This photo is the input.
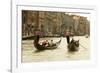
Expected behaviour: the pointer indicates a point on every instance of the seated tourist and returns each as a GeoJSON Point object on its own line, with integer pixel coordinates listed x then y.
{"type": "Point", "coordinates": [72, 40]}
{"type": "Point", "coordinates": [45, 43]}
{"type": "Point", "coordinates": [52, 44]}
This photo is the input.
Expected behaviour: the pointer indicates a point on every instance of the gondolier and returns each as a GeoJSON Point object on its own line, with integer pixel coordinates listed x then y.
{"type": "Point", "coordinates": [67, 33]}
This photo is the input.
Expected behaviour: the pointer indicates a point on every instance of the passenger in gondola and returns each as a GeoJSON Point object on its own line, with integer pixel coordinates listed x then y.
{"type": "Point", "coordinates": [45, 43]}
{"type": "Point", "coordinates": [72, 41]}
{"type": "Point", "coordinates": [51, 43]}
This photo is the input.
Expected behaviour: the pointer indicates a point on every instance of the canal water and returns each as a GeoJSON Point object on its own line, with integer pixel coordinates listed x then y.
{"type": "Point", "coordinates": [30, 54]}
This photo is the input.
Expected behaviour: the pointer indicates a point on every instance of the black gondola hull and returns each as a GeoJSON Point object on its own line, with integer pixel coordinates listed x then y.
{"type": "Point", "coordinates": [41, 47]}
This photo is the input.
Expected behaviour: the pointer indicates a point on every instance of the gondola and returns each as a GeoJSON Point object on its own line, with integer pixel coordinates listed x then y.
{"type": "Point", "coordinates": [73, 46]}
{"type": "Point", "coordinates": [41, 47]}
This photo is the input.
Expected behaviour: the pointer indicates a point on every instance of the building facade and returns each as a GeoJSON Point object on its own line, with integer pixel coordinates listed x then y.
{"type": "Point", "coordinates": [53, 23]}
